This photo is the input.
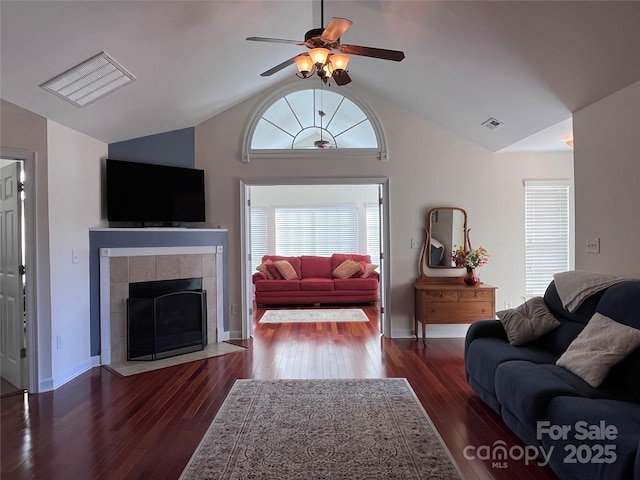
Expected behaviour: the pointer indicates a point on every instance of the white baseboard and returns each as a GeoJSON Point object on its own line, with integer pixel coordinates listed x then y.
{"type": "Point", "coordinates": [72, 373]}
{"type": "Point", "coordinates": [234, 335]}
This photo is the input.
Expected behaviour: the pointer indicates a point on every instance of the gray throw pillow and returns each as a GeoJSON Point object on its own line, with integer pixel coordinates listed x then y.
{"type": "Point", "coordinates": [601, 344]}
{"type": "Point", "coordinates": [528, 321]}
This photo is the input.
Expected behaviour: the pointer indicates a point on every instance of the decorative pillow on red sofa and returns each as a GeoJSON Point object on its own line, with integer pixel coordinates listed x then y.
{"type": "Point", "coordinates": [286, 270]}
{"type": "Point", "coordinates": [338, 258]}
{"type": "Point", "coordinates": [348, 268]}
{"type": "Point", "coordinates": [294, 261]}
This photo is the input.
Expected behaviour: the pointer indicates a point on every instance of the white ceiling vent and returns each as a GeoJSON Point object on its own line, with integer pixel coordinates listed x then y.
{"type": "Point", "coordinates": [91, 80]}
{"type": "Point", "coordinates": [492, 124]}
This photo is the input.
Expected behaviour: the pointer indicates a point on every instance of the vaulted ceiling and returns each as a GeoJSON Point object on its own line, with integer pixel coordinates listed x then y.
{"type": "Point", "coordinates": [529, 64]}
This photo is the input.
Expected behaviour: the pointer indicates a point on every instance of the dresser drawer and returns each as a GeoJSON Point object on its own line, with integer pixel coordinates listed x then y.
{"type": "Point", "coordinates": [441, 295]}
{"type": "Point", "coordinates": [475, 295]}
{"type": "Point", "coordinates": [458, 312]}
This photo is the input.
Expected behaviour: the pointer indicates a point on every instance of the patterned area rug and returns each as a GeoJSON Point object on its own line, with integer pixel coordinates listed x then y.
{"type": "Point", "coordinates": [314, 315]}
{"type": "Point", "coordinates": [321, 429]}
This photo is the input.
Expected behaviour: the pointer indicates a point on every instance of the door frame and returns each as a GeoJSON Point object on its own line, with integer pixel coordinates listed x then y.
{"type": "Point", "coordinates": [28, 159]}
{"type": "Point", "coordinates": [245, 250]}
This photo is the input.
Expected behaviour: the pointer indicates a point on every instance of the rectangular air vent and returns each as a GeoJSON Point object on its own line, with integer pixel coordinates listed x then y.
{"type": "Point", "coordinates": [91, 80]}
{"type": "Point", "coordinates": [492, 123]}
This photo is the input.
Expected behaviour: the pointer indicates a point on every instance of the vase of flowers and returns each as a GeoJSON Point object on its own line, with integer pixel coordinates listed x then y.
{"type": "Point", "coordinates": [471, 259]}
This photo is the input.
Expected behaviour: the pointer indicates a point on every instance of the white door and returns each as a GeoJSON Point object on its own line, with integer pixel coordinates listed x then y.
{"type": "Point", "coordinates": [11, 294]}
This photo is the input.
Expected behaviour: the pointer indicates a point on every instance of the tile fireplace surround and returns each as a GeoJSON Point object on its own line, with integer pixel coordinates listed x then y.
{"type": "Point", "coordinates": [121, 266]}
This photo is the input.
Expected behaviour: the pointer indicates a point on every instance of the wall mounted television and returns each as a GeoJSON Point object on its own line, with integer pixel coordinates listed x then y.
{"type": "Point", "coordinates": [150, 195]}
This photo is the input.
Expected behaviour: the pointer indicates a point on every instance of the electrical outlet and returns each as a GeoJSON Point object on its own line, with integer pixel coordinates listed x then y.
{"type": "Point", "coordinates": [74, 256]}
{"type": "Point", "coordinates": [234, 309]}
{"type": "Point", "coordinates": [593, 245]}
{"type": "Point", "coordinates": [507, 305]}
{"type": "Point", "coordinates": [415, 243]}
{"type": "Point", "coordinates": [59, 341]}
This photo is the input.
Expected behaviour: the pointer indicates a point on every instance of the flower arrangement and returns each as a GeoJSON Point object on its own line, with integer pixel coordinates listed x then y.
{"type": "Point", "coordinates": [472, 258]}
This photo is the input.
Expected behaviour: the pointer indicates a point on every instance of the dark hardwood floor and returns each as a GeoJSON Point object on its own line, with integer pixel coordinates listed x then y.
{"type": "Point", "coordinates": [101, 426]}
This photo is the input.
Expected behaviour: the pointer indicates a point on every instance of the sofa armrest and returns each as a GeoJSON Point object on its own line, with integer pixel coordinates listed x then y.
{"type": "Point", "coordinates": [258, 276]}
{"type": "Point", "coordinates": [483, 329]}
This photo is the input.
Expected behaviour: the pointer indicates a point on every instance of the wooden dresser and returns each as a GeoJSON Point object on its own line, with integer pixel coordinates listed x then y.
{"type": "Point", "coordinates": [450, 300]}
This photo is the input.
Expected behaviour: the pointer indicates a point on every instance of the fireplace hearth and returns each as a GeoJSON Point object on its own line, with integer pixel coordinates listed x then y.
{"type": "Point", "coordinates": [166, 318]}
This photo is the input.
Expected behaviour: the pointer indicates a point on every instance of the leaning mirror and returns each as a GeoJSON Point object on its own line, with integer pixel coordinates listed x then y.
{"type": "Point", "coordinates": [446, 231]}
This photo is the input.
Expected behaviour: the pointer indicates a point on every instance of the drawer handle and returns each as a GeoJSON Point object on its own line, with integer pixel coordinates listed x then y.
{"type": "Point", "coordinates": [441, 295]}
{"type": "Point", "coordinates": [475, 294]}
{"type": "Point", "coordinates": [433, 310]}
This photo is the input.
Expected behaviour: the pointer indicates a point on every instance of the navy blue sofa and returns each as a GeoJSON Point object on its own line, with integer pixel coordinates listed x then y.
{"type": "Point", "coordinates": [523, 385]}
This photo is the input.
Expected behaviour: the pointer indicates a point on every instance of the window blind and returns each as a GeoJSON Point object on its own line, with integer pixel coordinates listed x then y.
{"type": "Point", "coordinates": [259, 236]}
{"type": "Point", "coordinates": [316, 230]}
{"type": "Point", "coordinates": [546, 232]}
{"type": "Point", "coordinates": [373, 232]}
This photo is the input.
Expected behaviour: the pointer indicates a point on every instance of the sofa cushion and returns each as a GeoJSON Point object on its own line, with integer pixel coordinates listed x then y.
{"type": "Point", "coordinates": [286, 270]}
{"type": "Point", "coordinates": [623, 416]}
{"type": "Point", "coordinates": [278, 286]}
{"type": "Point", "coordinates": [347, 269]}
{"type": "Point", "coordinates": [602, 344]}
{"type": "Point", "coordinates": [262, 268]}
{"type": "Point", "coordinates": [338, 258]}
{"type": "Point", "coordinates": [355, 284]}
{"type": "Point", "coordinates": [367, 269]}
{"type": "Point", "coordinates": [525, 389]}
{"type": "Point", "coordinates": [315, 267]}
{"type": "Point", "coordinates": [485, 355]}
{"type": "Point", "coordinates": [316, 284]}
{"type": "Point", "coordinates": [571, 324]}
{"type": "Point", "coordinates": [294, 261]}
{"type": "Point", "coordinates": [528, 321]}
{"type": "Point", "coordinates": [273, 270]}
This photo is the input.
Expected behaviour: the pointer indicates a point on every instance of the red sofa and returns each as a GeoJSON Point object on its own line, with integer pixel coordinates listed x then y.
{"type": "Point", "coordinates": [316, 282]}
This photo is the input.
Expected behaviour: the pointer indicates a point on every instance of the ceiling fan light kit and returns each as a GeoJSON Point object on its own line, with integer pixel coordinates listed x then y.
{"type": "Point", "coordinates": [320, 59]}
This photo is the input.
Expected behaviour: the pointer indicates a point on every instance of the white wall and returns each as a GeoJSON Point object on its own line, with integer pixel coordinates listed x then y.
{"type": "Point", "coordinates": [74, 205]}
{"type": "Point", "coordinates": [428, 166]}
{"type": "Point", "coordinates": [607, 182]}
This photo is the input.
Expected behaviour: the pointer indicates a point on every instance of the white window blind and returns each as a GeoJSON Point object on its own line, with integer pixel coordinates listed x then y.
{"type": "Point", "coordinates": [373, 232]}
{"type": "Point", "coordinates": [316, 230]}
{"type": "Point", "coordinates": [259, 236]}
{"type": "Point", "coordinates": [546, 232]}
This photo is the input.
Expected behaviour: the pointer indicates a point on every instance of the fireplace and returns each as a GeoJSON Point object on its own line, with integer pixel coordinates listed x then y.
{"type": "Point", "coordinates": [166, 318]}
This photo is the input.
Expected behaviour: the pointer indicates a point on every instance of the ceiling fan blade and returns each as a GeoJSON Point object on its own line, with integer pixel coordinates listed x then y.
{"type": "Point", "coordinates": [278, 67]}
{"type": "Point", "coordinates": [335, 28]}
{"type": "Point", "coordinates": [274, 40]}
{"type": "Point", "coordinates": [395, 55]}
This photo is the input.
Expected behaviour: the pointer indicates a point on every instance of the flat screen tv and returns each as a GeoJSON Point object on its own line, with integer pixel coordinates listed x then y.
{"type": "Point", "coordinates": [154, 194]}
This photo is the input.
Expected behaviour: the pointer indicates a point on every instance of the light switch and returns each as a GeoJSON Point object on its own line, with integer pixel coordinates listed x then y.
{"type": "Point", "coordinates": [593, 245]}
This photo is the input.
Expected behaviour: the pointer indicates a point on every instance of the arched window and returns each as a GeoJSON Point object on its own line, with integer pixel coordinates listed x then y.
{"type": "Point", "coordinates": [302, 122]}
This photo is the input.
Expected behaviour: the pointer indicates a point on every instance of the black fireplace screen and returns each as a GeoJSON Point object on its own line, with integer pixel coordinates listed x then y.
{"type": "Point", "coordinates": [166, 318]}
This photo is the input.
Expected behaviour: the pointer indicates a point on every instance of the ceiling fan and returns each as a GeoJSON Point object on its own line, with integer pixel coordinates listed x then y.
{"type": "Point", "coordinates": [321, 42]}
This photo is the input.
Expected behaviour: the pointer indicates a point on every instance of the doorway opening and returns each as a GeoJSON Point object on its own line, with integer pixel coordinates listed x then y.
{"type": "Point", "coordinates": [14, 376]}
{"type": "Point", "coordinates": [360, 203]}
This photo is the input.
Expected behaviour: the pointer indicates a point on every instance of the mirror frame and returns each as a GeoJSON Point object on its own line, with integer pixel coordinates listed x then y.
{"type": "Point", "coordinates": [425, 257]}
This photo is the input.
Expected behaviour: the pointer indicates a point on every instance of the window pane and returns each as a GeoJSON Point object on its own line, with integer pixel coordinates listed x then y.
{"type": "Point", "coordinates": [259, 237]}
{"type": "Point", "coordinates": [316, 230]}
{"type": "Point", "coordinates": [296, 114]}
{"type": "Point", "coordinates": [373, 232]}
{"type": "Point", "coordinates": [546, 234]}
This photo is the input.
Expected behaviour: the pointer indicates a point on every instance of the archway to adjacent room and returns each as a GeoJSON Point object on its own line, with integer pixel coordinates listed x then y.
{"type": "Point", "coordinates": [374, 195]}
